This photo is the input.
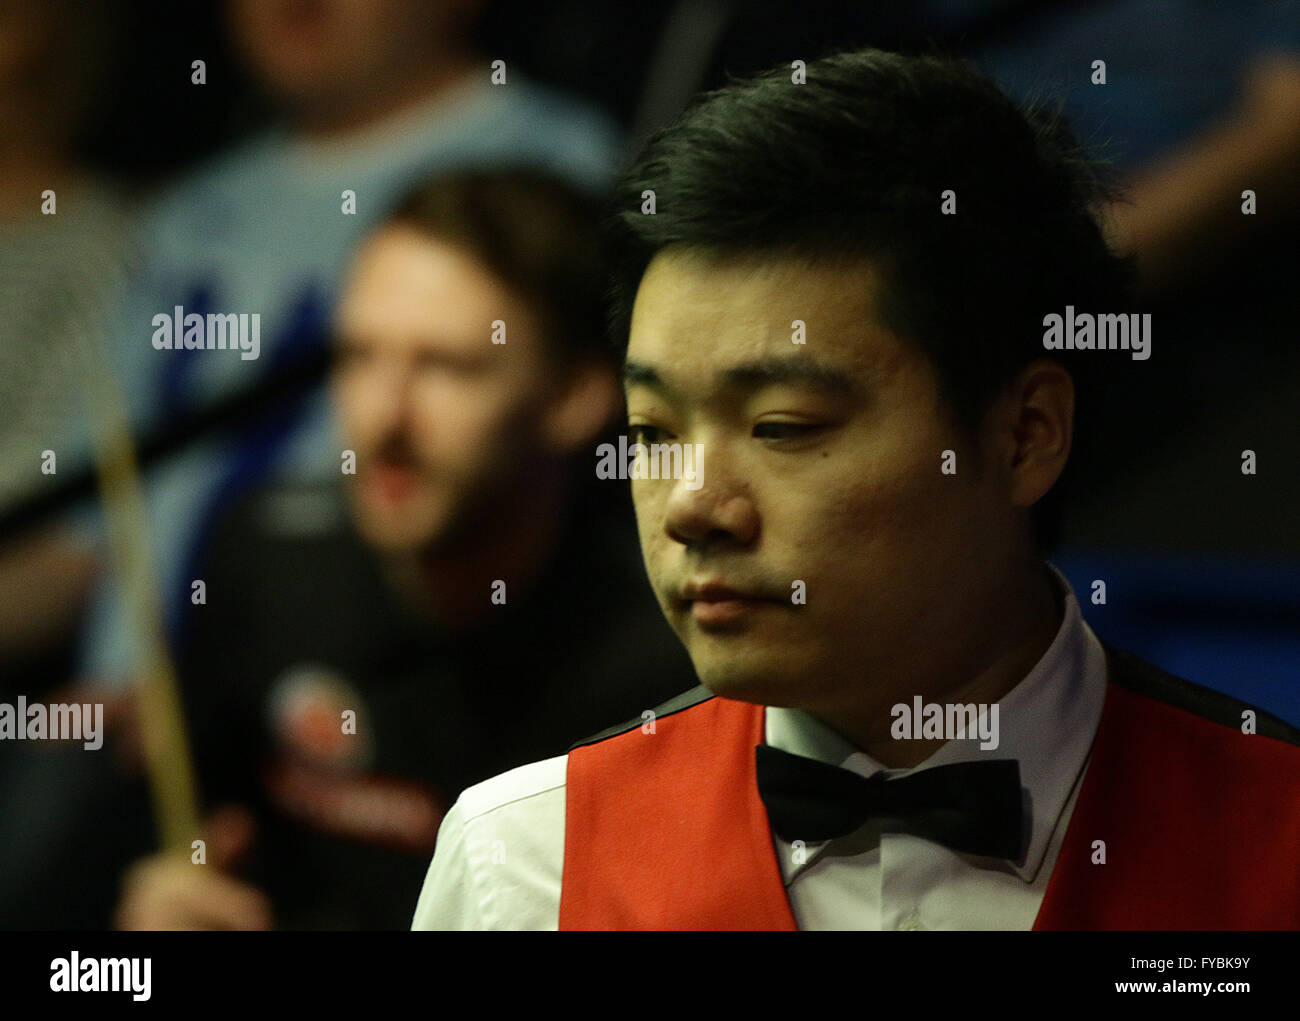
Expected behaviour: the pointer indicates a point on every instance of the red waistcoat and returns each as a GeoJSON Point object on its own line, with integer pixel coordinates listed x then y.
{"type": "Point", "coordinates": [1201, 822]}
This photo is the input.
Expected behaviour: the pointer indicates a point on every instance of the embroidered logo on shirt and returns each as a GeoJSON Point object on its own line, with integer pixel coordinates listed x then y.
{"type": "Point", "coordinates": [318, 773]}
{"type": "Point", "coordinates": [318, 716]}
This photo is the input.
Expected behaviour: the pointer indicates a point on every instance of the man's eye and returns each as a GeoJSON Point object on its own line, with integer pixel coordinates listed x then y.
{"type": "Point", "coordinates": [784, 430]}
{"type": "Point", "coordinates": [434, 362]}
{"type": "Point", "coordinates": [351, 354]}
{"type": "Point", "coordinates": [646, 434]}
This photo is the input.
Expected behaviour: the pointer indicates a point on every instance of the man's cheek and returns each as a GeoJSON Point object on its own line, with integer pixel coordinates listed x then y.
{"type": "Point", "coordinates": [657, 558]}
{"type": "Point", "coordinates": [649, 504]}
{"type": "Point", "coordinates": [352, 428]}
{"type": "Point", "coordinates": [485, 432]}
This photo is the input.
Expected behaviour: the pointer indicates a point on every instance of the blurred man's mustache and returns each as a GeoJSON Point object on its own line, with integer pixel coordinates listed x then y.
{"type": "Point", "coordinates": [395, 451]}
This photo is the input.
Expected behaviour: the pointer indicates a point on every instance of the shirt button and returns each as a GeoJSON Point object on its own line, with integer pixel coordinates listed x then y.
{"type": "Point", "coordinates": [911, 922]}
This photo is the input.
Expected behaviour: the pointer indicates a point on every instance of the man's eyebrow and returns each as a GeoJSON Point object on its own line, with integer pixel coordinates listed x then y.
{"type": "Point", "coordinates": [774, 371]}
{"type": "Point", "coordinates": [755, 374]}
{"type": "Point", "coordinates": [637, 374]}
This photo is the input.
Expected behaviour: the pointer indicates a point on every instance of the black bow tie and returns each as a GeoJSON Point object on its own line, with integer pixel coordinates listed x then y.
{"type": "Point", "coordinates": [968, 806]}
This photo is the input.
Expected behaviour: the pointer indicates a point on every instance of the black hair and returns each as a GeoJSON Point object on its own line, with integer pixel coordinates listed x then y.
{"type": "Point", "coordinates": [853, 163]}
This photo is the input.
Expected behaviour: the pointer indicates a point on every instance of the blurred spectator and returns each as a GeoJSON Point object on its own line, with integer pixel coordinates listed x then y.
{"type": "Point", "coordinates": [63, 262]}
{"type": "Point", "coordinates": [474, 595]}
{"type": "Point", "coordinates": [374, 95]}
{"type": "Point", "coordinates": [1199, 102]}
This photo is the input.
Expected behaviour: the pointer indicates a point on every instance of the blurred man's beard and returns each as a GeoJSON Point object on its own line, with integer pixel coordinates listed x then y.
{"type": "Point", "coordinates": [439, 520]}
{"type": "Point", "coordinates": [396, 529]}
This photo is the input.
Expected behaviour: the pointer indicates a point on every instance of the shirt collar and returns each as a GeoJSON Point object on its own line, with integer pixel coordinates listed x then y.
{"type": "Point", "coordinates": [1046, 723]}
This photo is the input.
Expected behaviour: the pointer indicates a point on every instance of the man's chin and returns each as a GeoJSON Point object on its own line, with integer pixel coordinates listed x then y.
{"type": "Point", "coordinates": [396, 535]}
{"type": "Point", "coordinates": [760, 688]}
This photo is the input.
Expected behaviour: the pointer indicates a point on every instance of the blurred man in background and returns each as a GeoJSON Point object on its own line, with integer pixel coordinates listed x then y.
{"type": "Point", "coordinates": [471, 599]}
{"type": "Point", "coordinates": [373, 95]}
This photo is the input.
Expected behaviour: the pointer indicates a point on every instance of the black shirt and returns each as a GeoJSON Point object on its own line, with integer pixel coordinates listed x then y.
{"type": "Point", "coordinates": [300, 628]}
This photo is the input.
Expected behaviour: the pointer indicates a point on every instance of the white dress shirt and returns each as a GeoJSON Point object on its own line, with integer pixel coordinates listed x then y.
{"type": "Point", "coordinates": [500, 852]}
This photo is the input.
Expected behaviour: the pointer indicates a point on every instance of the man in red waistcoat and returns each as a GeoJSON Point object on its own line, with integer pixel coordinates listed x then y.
{"type": "Point", "coordinates": [833, 289]}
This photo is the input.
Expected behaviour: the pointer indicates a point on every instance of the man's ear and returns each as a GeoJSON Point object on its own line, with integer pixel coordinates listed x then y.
{"type": "Point", "coordinates": [589, 395]}
{"type": "Point", "coordinates": [1036, 430]}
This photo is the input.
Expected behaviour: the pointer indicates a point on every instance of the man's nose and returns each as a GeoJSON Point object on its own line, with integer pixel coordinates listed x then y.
{"type": "Point", "coordinates": [390, 395]}
{"type": "Point", "coordinates": [716, 509]}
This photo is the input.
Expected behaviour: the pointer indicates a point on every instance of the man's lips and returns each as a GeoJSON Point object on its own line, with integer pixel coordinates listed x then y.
{"type": "Point", "coordinates": [392, 482]}
{"type": "Point", "coordinates": [714, 592]}
{"type": "Point", "coordinates": [717, 603]}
